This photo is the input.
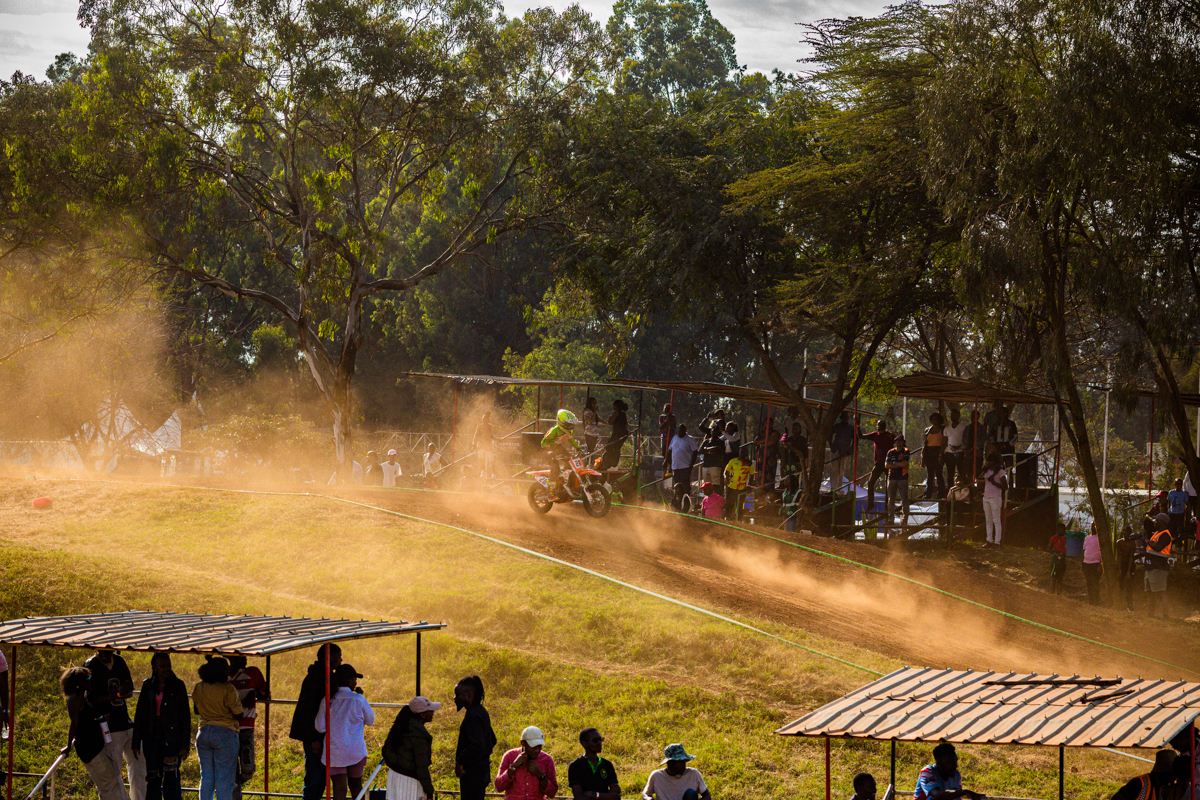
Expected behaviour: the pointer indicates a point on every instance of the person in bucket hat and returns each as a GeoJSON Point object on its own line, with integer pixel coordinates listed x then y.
{"type": "Point", "coordinates": [676, 781]}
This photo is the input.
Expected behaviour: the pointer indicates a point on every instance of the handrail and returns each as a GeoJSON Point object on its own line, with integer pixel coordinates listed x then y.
{"type": "Point", "coordinates": [42, 781]}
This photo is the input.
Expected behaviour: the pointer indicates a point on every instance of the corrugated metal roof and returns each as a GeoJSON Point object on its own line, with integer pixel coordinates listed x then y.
{"type": "Point", "coordinates": [767, 397]}
{"type": "Point", "coordinates": [195, 633]}
{"type": "Point", "coordinates": [935, 386]}
{"type": "Point", "coordinates": [965, 706]}
{"type": "Point", "coordinates": [504, 380]}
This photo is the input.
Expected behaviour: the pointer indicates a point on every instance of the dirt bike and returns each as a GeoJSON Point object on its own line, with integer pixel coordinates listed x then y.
{"type": "Point", "coordinates": [582, 483]}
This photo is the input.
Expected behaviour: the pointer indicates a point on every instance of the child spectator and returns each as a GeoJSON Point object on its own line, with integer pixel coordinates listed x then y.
{"type": "Point", "coordinates": [1125, 561]}
{"type": "Point", "coordinates": [1092, 570]}
{"type": "Point", "coordinates": [713, 505]}
{"type": "Point", "coordinates": [349, 713]}
{"type": "Point", "coordinates": [897, 480]}
{"type": "Point", "coordinates": [790, 503]}
{"type": "Point", "coordinates": [1058, 558]}
{"type": "Point", "coordinates": [737, 478]}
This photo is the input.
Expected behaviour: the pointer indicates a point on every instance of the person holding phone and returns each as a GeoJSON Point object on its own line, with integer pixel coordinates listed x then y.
{"type": "Point", "coordinates": [527, 772]}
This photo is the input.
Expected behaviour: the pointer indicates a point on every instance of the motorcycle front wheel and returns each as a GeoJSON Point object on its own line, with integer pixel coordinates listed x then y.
{"type": "Point", "coordinates": [596, 500]}
{"type": "Point", "coordinates": [540, 499]}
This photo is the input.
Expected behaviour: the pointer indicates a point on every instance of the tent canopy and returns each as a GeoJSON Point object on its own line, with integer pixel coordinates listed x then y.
{"type": "Point", "coordinates": [935, 386]}
{"type": "Point", "coordinates": [223, 634]}
{"type": "Point", "coordinates": [971, 707]}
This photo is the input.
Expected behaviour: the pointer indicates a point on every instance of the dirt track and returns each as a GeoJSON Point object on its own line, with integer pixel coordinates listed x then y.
{"type": "Point", "coordinates": [756, 579]}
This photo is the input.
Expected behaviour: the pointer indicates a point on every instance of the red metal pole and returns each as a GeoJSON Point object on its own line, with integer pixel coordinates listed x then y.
{"type": "Point", "coordinates": [328, 732]}
{"type": "Point", "coordinates": [12, 714]}
{"type": "Point", "coordinates": [762, 479]}
{"type": "Point", "coordinates": [267, 734]}
{"type": "Point", "coordinates": [828, 782]}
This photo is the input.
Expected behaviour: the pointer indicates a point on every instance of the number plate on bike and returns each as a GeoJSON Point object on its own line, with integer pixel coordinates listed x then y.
{"type": "Point", "coordinates": [577, 463]}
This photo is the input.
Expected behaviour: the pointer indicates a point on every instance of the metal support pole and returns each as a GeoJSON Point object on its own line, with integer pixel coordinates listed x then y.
{"type": "Point", "coordinates": [766, 444]}
{"type": "Point", "coordinates": [904, 418]}
{"type": "Point", "coordinates": [828, 781]}
{"type": "Point", "coordinates": [454, 424]}
{"type": "Point", "coordinates": [537, 420]}
{"type": "Point", "coordinates": [893, 782]}
{"type": "Point", "coordinates": [267, 733]}
{"type": "Point", "coordinates": [1104, 462]}
{"type": "Point", "coordinates": [418, 681]}
{"type": "Point", "coordinates": [328, 732]}
{"type": "Point", "coordinates": [561, 389]}
{"type": "Point", "coordinates": [1150, 474]}
{"type": "Point", "coordinates": [637, 456]}
{"type": "Point", "coordinates": [12, 714]}
{"type": "Point", "coordinates": [1061, 763]}
{"type": "Point", "coordinates": [854, 464]}
{"type": "Point", "coordinates": [1193, 764]}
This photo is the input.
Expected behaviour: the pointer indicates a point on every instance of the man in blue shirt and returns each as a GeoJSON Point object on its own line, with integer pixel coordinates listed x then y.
{"type": "Point", "coordinates": [1177, 503]}
{"type": "Point", "coordinates": [940, 780]}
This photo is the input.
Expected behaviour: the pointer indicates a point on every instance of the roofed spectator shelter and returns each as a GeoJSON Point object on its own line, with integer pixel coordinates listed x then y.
{"type": "Point", "coordinates": [922, 704]}
{"type": "Point", "coordinates": [199, 634]}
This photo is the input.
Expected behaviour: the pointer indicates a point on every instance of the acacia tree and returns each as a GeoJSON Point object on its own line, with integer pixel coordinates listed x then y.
{"type": "Point", "coordinates": [334, 135]}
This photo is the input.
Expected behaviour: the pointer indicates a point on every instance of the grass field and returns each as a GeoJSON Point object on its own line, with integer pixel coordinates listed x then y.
{"type": "Point", "coordinates": [555, 647]}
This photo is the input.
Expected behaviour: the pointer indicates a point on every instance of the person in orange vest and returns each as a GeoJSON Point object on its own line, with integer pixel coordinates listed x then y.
{"type": "Point", "coordinates": [1158, 566]}
{"type": "Point", "coordinates": [1157, 784]}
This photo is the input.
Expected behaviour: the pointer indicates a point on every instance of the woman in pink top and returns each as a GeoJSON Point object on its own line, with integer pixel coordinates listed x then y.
{"type": "Point", "coordinates": [526, 773]}
{"type": "Point", "coordinates": [1092, 570]}
{"type": "Point", "coordinates": [995, 483]}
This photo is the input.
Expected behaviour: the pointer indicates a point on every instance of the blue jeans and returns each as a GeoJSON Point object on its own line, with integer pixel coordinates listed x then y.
{"type": "Point", "coordinates": [217, 749]}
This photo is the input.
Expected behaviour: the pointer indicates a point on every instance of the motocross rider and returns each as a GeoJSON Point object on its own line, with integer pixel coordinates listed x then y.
{"type": "Point", "coordinates": [559, 444]}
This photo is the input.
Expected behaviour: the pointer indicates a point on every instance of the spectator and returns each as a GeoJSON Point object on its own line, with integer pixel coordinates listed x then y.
{"type": "Point", "coordinates": [251, 686]}
{"type": "Point", "coordinates": [87, 735]}
{"type": "Point", "coordinates": [591, 776]}
{"type": "Point", "coordinates": [896, 462]}
{"type": "Point", "coordinates": [795, 451]}
{"type": "Point", "coordinates": [737, 478]}
{"type": "Point", "coordinates": [713, 504]}
{"type": "Point", "coordinates": [961, 491]}
{"type": "Point", "coordinates": [683, 451]}
{"type": "Point", "coordinates": [974, 445]}
{"type": "Point", "coordinates": [790, 503]}
{"type": "Point", "coordinates": [1092, 570]}
{"type": "Point", "coordinates": [433, 463]}
{"type": "Point", "coordinates": [620, 432]}
{"type": "Point", "coordinates": [591, 425]}
{"type": "Point", "coordinates": [1158, 783]}
{"type": "Point", "coordinates": [712, 456]}
{"type": "Point", "coordinates": [995, 482]}
{"type": "Point", "coordinates": [527, 772]}
{"type": "Point", "coordinates": [374, 472]}
{"type": "Point", "coordinates": [864, 786]}
{"type": "Point", "coordinates": [162, 729]}
{"type": "Point", "coordinates": [715, 419]}
{"type": "Point", "coordinates": [349, 714]}
{"type": "Point", "coordinates": [677, 781]}
{"type": "Point", "coordinates": [110, 684]}
{"type": "Point", "coordinates": [1125, 562]}
{"type": "Point", "coordinates": [1177, 507]}
{"type": "Point", "coordinates": [881, 440]}
{"type": "Point", "coordinates": [766, 447]}
{"type": "Point", "coordinates": [484, 446]}
{"type": "Point", "coordinates": [941, 779]}
{"type": "Point", "coordinates": [1158, 565]}
{"type": "Point", "coordinates": [216, 703]}
{"type": "Point", "coordinates": [931, 457]}
{"type": "Point", "coordinates": [841, 445]}
{"type": "Point", "coordinates": [1190, 488]}
{"type": "Point", "coordinates": [955, 435]}
{"type": "Point", "coordinates": [391, 470]}
{"type": "Point", "coordinates": [476, 740]}
{"type": "Point", "coordinates": [1005, 435]}
{"type": "Point", "coordinates": [733, 445]}
{"type": "Point", "coordinates": [408, 752]}
{"type": "Point", "coordinates": [303, 730]}
{"type": "Point", "coordinates": [666, 431]}
{"type": "Point", "coordinates": [1058, 558]}
{"type": "Point", "coordinates": [1184, 765]}
{"type": "Point", "coordinates": [991, 420]}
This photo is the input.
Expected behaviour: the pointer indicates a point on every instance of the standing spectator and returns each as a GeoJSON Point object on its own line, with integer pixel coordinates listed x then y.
{"type": "Point", "coordinates": [1177, 507]}
{"type": "Point", "coordinates": [1058, 558]}
{"type": "Point", "coordinates": [896, 462]}
{"type": "Point", "coordinates": [715, 419]}
{"type": "Point", "coordinates": [666, 431]}
{"type": "Point", "coordinates": [408, 752]}
{"type": "Point", "coordinates": [432, 463]}
{"type": "Point", "coordinates": [374, 472]}
{"type": "Point", "coordinates": [484, 446]}
{"type": "Point", "coordinates": [216, 702]}
{"type": "Point", "coordinates": [974, 444]}
{"type": "Point", "coordinates": [841, 445]}
{"type": "Point", "coordinates": [995, 483]}
{"type": "Point", "coordinates": [1125, 561]}
{"type": "Point", "coordinates": [87, 736]}
{"type": "Point", "coordinates": [1005, 435]}
{"type": "Point", "coordinates": [955, 434]}
{"type": "Point", "coordinates": [790, 503]}
{"type": "Point", "coordinates": [251, 686]}
{"type": "Point", "coordinates": [349, 714]}
{"type": "Point", "coordinates": [677, 781]}
{"type": "Point", "coordinates": [304, 730]}
{"type": "Point", "coordinates": [712, 456]}
{"type": "Point", "coordinates": [110, 685]}
{"type": "Point", "coordinates": [941, 779]}
{"type": "Point", "coordinates": [1158, 784]}
{"type": "Point", "coordinates": [795, 451]}
{"type": "Point", "coordinates": [616, 439]}
{"type": "Point", "coordinates": [683, 456]}
{"type": "Point", "coordinates": [737, 478]}
{"type": "Point", "coordinates": [476, 740]}
{"type": "Point", "coordinates": [591, 776]}
{"type": "Point", "coordinates": [931, 457]}
{"type": "Point", "coordinates": [864, 786]}
{"type": "Point", "coordinates": [391, 470]}
{"type": "Point", "coordinates": [527, 772]}
{"type": "Point", "coordinates": [1092, 570]}
{"type": "Point", "coordinates": [713, 504]}
{"type": "Point", "coordinates": [1158, 565]}
{"type": "Point", "coordinates": [591, 425]}
{"type": "Point", "coordinates": [733, 444]}
{"type": "Point", "coordinates": [766, 446]}
{"type": "Point", "coordinates": [881, 440]}
{"type": "Point", "coordinates": [991, 420]}
{"type": "Point", "coordinates": [162, 729]}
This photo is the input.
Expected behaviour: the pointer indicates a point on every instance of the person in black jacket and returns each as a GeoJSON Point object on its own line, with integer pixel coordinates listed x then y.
{"type": "Point", "coordinates": [476, 740]}
{"type": "Point", "coordinates": [408, 751]}
{"type": "Point", "coordinates": [162, 729]}
{"type": "Point", "coordinates": [303, 730]}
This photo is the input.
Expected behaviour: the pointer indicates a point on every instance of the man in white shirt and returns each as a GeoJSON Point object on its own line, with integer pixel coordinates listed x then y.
{"type": "Point", "coordinates": [683, 454]}
{"type": "Point", "coordinates": [433, 461]}
{"type": "Point", "coordinates": [677, 781]}
{"type": "Point", "coordinates": [391, 470]}
{"type": "Point", "coordinates": [955, 435]}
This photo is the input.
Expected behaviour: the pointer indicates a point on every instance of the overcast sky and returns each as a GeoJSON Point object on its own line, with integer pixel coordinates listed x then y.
{"type": "Point", "coordinates": [33, 32]}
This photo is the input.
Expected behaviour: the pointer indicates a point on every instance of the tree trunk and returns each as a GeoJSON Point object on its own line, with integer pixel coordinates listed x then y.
{"type": "Point", "coordinates": [1168, 390]}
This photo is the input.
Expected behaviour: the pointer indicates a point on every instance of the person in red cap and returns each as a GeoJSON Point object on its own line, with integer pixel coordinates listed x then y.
{"type": "Point", "coordinates": [713, 505]}
{"type": "Point", "coordinates": [408, 752]}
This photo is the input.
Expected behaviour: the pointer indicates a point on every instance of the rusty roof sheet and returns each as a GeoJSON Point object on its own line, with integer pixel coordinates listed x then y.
{"type": "Point", "coordinates": [974, 707]}
{"type": "Point", "coordinates": [935, 386]}
{"type": "Point", "coordinates": [505, 380]}
{"type": "Point", "coordinates": [767, 397]}
{"type": "Point", "coordinates": [195, 633]}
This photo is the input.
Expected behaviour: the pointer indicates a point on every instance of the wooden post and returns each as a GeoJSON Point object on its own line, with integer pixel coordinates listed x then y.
{"type": "Point", "coordinates": [893, 783]}
{"type": "Point", "coordinates": [267, 734]}
{"type": "Point", "coordinates": [328, 758]}
{"type": "Point", "coordinates": [1061, 764]}
{"type": "Point", "coordinates": [12, 714]}
{"type": "Point", "coordinates": [828, 780]}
